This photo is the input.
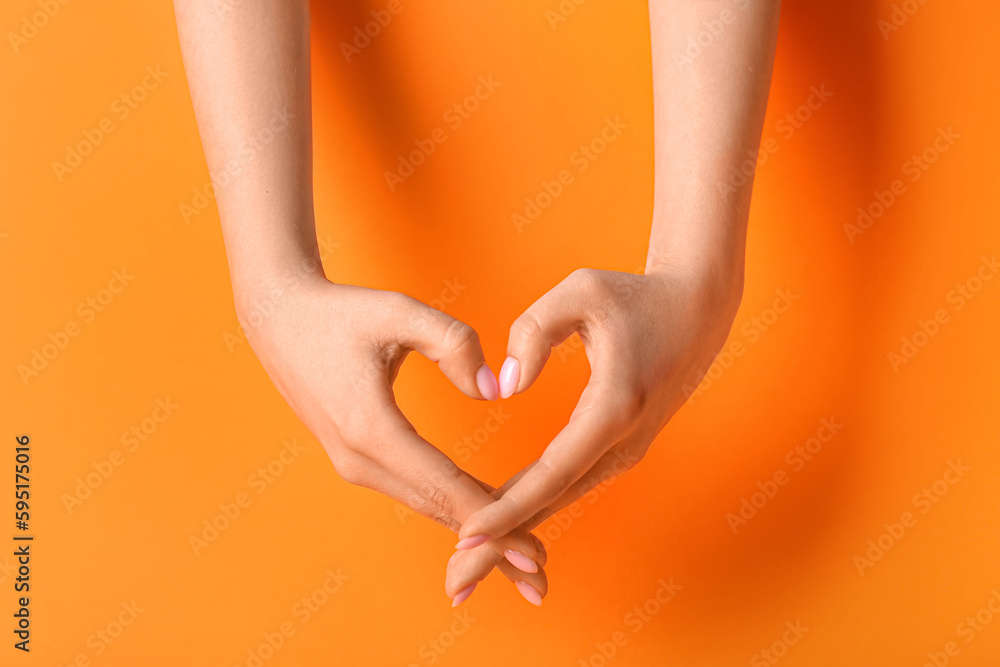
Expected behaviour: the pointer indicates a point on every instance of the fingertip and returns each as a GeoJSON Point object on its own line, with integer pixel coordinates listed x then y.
{"type": "Point", "coordinates": [486, 382]}
{"type": "Point", "coordinates": [472, 542]}
{"type": "Point", "coordinates": [541, 555]}
{"type": "Point", "coordinates": [510, 375]}
{"type": "Point", "coordinates": [529, 593]}
{"type": "Point", "coordinates": [464, 594]}
{"type": "Point", "coordinates": [520, 561]}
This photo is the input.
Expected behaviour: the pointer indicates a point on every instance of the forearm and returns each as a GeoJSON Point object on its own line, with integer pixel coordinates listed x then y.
{"type": "Point", "coordinates": [248, 70]}
{"type": "Point", "coordinates": [708, 114]}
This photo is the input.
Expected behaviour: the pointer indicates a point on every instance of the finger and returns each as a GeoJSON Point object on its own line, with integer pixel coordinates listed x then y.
{"type": "Point", "coordinates": [453, 345]}
{"type": "Point", "coordinates": [450, 491]}
{"type": "Point", "coordinates": [611, 465]}
{"type": "Point", "coordinates": [545, 324]}
{"type": "Point", "coordinates": [598, 423]}
{"type": "Point", "coordinates": [616, 461]}
{"type": "Point", "coordinates": [467, 568]}
{"type": "Point", "coordinates": [532, 587]}
{"type": "Point", "coordinates": [359, 470]}
{"type": "Point", "coordinates": [377, 478]}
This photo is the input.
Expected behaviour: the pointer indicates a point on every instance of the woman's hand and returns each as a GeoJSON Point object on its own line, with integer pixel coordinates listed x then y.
{"type": "Point", "coordinates": [646, 336]}
{"type": "Point", "coordinates": [333, 351]}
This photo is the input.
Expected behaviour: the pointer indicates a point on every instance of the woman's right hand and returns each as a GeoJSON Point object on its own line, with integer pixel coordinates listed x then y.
{"type": "Point", "coordinates": [333, 352]}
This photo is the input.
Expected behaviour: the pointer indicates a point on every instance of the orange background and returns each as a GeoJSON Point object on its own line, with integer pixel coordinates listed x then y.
{"type": "Point", "coordinates": [170, 334]}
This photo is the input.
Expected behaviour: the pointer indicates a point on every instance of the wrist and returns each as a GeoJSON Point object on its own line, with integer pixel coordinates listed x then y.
{"type": "Point", "coordinates": [713, 280]}
{"type": "Point", "coordinates": [260, 293]}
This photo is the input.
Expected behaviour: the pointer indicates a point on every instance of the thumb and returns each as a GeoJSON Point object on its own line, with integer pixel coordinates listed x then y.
{"type": "Point", "coordinates": [454, 346]}
{"type": "Point", "coordinates": [545, 324]}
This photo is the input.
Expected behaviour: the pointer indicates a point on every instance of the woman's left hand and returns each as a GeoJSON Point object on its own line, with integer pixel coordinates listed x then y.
{"type": "Point", "coordinates": [647, 337]}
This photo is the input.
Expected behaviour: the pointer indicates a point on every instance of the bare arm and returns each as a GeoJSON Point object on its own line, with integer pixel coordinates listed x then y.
{"type": "Point", "coordinates": [332, 351]}
{"type": "Point", "coordinates": [650, 337]}
{"type": "Point", "coordinates": [248, 71]}
{"type": "Point", "coordinates": [708, 111]}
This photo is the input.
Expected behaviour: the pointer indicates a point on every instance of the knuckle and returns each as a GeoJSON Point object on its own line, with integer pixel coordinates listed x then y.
{"type": "Point", "coordinates": [397, 302]}
{"type": "Point", "coordinates": [634, 402]}
{"type": "Point", "coordinates": [354, 429]}
{"type": "Point", "coordinates": [388, 308]}
{"type": "Point", "coordinates": [525, 328]}
{"type": "Point", "coordinates": [348, 468]}
{"type": "Point", "coordinates": [585, 277]}
{"type": "Point", "coordinates": [440, 501]}
{"type": "Point", "coordinates": [625, 407]}
{"type": "Point", "coordinates": [460, 337]}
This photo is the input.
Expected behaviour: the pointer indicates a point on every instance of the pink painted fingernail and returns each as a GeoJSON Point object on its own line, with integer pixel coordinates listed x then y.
{"type": "Point", "coordinates": [529, 592]}
{"type": "Point", "coordinates": [520, 561]}
{"type": "Point", "coordinates": [473, 542]}
{"type": "Point", "coordinates": [510, 373]}
{"type": "Point", "coordinates": [487, 383]}
{"type": "Point", "coordinates": [463, 595]}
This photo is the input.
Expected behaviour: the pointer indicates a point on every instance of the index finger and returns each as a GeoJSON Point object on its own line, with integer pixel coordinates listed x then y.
{"type": "Point", "coordinates": [596, 425]}
{"type": "Point", "coordinates": [436, 480]}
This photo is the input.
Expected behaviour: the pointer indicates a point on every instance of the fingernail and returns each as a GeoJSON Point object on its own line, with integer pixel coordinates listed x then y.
{"type": "Point", "coordinates": [529, 592]}
{"type": "Point", "coordinates": [520, 561]}
{"type": "Point", "coordinates": [463, 595]}
{"type": "Point", "coordinates": [487, 383]}
{"type": "Point", "coordinates": [510, 373]}
{"type": "Point", "coordinates": [472, 542]}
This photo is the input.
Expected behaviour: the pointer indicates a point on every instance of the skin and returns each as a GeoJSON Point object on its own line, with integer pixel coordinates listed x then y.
{"type": "Point", "coordinates": [333, 350]}
{"type": "Point", "coordinates": [647, 336]}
